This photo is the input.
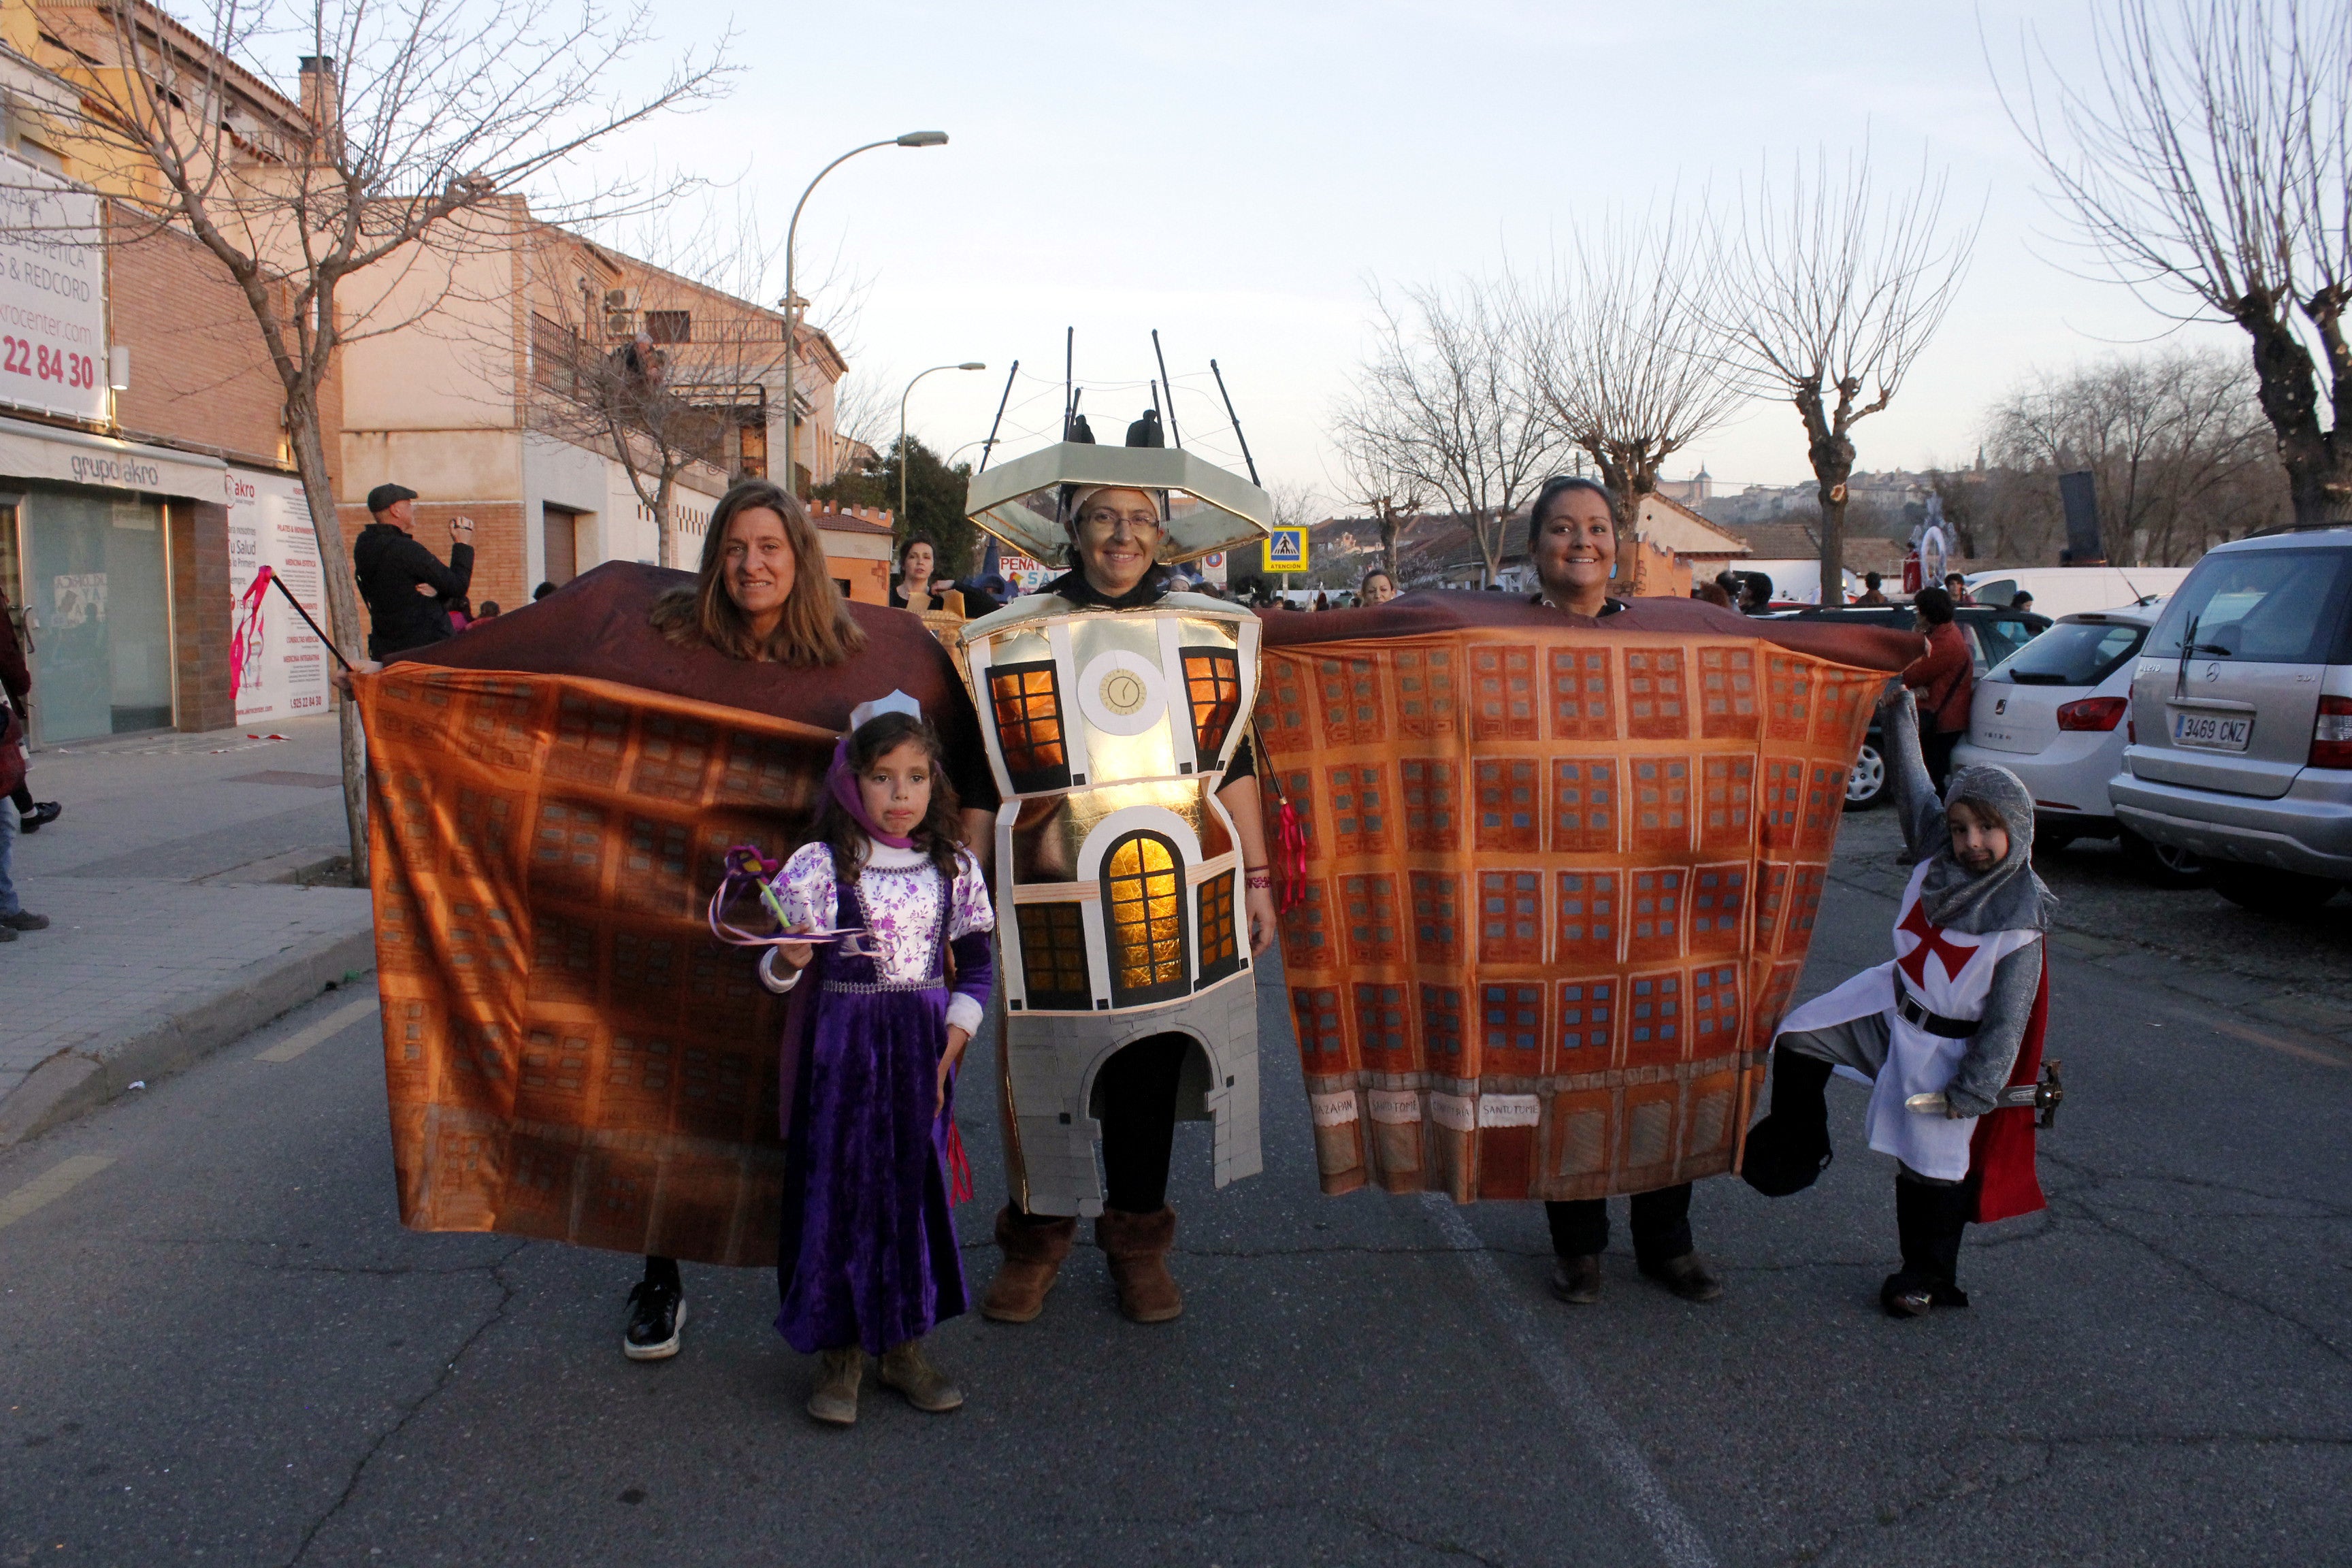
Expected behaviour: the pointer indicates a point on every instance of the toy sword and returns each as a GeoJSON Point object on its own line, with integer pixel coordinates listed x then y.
{"type": "Point", "coordinates": [2045, 1096]}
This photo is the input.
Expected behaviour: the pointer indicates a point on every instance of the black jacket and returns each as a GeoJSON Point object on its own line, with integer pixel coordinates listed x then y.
{"type": "Point", "coordinates": [390, 564]}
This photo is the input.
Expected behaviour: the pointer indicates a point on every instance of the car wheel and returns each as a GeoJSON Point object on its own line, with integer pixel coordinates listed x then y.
{"type": "Point", "coordinates": [2269, 892]}
{"type": "Point", "coordinates": [1865, 782]}
{"type": "Point", "coordinates": [2165, 865]}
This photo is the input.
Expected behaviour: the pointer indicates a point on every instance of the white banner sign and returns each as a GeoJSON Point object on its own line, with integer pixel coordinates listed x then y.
{"type": "Point", "coordinates": [52, 295]}
{"type": "Point", "coordinates": [281, 663]}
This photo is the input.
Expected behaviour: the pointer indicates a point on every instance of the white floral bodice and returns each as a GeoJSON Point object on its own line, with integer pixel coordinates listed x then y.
{"type": "Point", "coordinates": [900, 892]}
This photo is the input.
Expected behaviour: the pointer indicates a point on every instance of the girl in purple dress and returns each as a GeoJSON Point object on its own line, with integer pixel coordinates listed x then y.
{"type": "Point", "coordinates": [869, 1261]}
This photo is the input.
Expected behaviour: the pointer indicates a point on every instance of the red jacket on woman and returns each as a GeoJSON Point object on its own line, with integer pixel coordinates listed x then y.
{"type": "Point", "coordinates": [1945, 678]}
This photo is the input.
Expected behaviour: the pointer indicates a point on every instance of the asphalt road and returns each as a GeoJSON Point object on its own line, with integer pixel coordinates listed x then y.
{"type": "Point", "coordinates": [218, 1346]}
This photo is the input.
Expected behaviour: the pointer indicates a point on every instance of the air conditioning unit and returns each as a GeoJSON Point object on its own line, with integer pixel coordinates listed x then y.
{"type": "Point", "coordinates": [620, 299]}
{"type": "Point", "coordinates": [620, 323]}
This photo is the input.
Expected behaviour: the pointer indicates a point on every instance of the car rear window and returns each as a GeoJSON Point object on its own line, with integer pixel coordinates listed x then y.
{"type": "Point", "coordinates": [2072, 653]}
{"type": "Point", "coordinates": [2259, 606]}
{"type": "Point", "coordinates": [2001, 637]}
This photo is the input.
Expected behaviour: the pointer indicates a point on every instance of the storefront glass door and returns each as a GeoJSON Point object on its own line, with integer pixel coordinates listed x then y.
{"type": "Point", "coordinates": [96, 587]}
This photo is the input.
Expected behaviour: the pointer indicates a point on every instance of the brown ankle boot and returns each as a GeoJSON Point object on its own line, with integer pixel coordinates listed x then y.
{"type": "Point", "coordinates": [1135, 1246]}
{"type": "Point", "coordinates": [1033, 1250]}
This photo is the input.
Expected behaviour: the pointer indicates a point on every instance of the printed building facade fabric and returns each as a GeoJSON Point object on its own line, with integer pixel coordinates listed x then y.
{"type": "Point", "coordinates": [1561, 875]}
{"type": "Point", "coordinates": [569, 1053]}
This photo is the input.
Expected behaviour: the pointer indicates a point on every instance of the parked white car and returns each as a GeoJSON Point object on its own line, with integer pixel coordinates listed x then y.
{"type": "Point", "coordinates": [2066, 590]}
{"type": "Point", "coordinates": [2055, 713]}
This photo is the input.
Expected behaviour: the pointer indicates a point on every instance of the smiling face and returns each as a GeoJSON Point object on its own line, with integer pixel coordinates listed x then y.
{"type": "Point", "coordinates": [1116, 535]}
{"type": "Point", "coordinates": [1575, 550]}
{"type": "Point", "coordinates": [1980, 841]}
{"type": "Point", "coordinates": [760, 566]}
{"type": "Point", "coordinates": [897, 789]}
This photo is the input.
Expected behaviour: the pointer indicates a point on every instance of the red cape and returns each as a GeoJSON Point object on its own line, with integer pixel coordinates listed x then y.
{"type": "Point", "coordinates": [2000, 1154]}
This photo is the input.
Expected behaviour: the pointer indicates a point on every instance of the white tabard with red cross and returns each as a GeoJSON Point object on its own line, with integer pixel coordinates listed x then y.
{"type": "Point", "coordinates": [1948, 973]}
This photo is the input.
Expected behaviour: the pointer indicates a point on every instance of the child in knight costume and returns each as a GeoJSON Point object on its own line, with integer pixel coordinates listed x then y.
{"type": "Point", "coordinates": [1132, 882]}
{"type": "Point", "coordinates": [1949, 1034]}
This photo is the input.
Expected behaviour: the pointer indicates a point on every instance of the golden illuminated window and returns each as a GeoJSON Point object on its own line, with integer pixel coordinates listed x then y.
{"type": "Point", "coordinates": [1213, 682]}
{"type": "Point", "coordinates": [1220, 952]}
{"type": "Point", "coordinates": [1029, 725]}
{"type": "Point", "coordinates": [1054, 955]}
{"type": "Point", "coordinates": [1143, 910]}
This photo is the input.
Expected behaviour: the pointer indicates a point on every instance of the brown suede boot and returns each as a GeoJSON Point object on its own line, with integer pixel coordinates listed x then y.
{"type": "Point", "coordinates": [1135, 1246]}
{"type": "Point", "coordinates": [1033, 1250]}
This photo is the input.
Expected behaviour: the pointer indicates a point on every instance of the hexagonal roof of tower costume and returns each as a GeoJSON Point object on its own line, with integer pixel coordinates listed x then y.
{"type": "Point", "coordinates": [1206, 508]}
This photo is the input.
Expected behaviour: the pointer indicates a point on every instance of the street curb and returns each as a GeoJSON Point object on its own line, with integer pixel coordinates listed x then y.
{"type": "Point", "coordinates": [86, 1074]}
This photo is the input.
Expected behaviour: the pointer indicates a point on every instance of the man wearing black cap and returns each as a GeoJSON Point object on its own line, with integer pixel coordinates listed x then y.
{"type": "Point", "coordinates": [402, 584]}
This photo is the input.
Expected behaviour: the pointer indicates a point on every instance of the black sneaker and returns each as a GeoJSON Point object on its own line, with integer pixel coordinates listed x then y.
{"type": "Point", "coordinates": [42, 813]}
{"type": "Point", "coordinates": [656, 1313]}
{"type": "Point", "coordinates": [24, 920]}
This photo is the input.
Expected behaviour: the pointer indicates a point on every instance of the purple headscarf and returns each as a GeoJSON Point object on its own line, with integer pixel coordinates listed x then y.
{"type": "Point", "coordinates": [845, 793]}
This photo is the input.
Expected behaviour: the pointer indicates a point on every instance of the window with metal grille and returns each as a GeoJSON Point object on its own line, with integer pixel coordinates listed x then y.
{"type": "Point", "coordinates": [1143, 915]}
{"type": "Point", "coordinates": [669, 326]}
{"type": "Point", "coordinates": [1054, 956]}
{"type": "Point", "coordinates": [1213, 681]}
{"type": "Point", "coordinates": [1220, 951]}
{"type": "Point", "coordinates": [1028, 708]}
{"type": "Point", "coordinates": [554, 356]}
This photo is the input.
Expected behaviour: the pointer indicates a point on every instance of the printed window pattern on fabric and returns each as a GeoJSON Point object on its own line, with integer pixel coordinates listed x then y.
{"type": "Point", "coordinates": [1359, 812]}
{"type": "Point", "coordinates": [1142, 880]}
{"type": "Point", "coordinates": [1661, 811]}
{"type": "Point", "coordinates": [1580, 696]}
{"type": "Point", "coordinates": [1656, 915]}
{"type": "Point", "coordinates": [1511, 1020]}
{"type": "Point", "coordinates": [1727, 693]}
{"type": "Point", "coordinates": [1441, 1029]}
{"type": "Point", "coordinates": [1506, 804]}
{"type": "Point", "coordinates": [1503, 699]}
{"type": "Point", "coordinates": [1054, 956]}
{"type": "Point", "coordinates": [1714, 1007]}
{"type": "Point", "coordinates": [1587, 918]}
{"type": "Point", "coordinates": [1436, 918]}
{"type": "Point", "coordinates": [1371, 907]}
{"type": "Point", "coordinates": [1425, 693]}
{"type": "Point", "coordinates": [1220, 952]}
{"type": "Point", "coordinates": [1718, 900]}
{"type": "Point", "coordinates": [1380, 1025]}
{"type": "Point", "coordinates": [1320, 1035]}
{"type": "Point", "coordinates": [1726, 813]}
{"type": "Point", "coordinates": [1510, 917]}
{"type": "Point", "coordinates": [1585, 1014]}
{"type": "Point", "coordinates": [1213, 680]}
{"type": "Point", "coordinates": [1655, 709]}
{"type": "Point", "coordinates": [1355, 710]}
{"type": "Point", "coordinates": [1789, 693]}
{"type": "Point", "coordinates": [1583, 807]}
{"type": "Point", "coordinates": [1029, 725]}
{"type": "Point", "coordinates": [1654, 1024]}
{"type": "Point", "coordinates": [1306, 930]}
{"type": "Point", "coordinates": [1430, 809]}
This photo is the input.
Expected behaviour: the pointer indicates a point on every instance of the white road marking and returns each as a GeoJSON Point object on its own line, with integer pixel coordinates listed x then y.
{"type": "Point", "coordinates": [1679, 1542]}
{"type": "Point", "coordinates": [326, 1028]}
{"type": "Point", "coordinates": [50, 1185]}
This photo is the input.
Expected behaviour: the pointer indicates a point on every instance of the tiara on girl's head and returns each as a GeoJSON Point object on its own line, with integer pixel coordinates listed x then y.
{"type": "Point", "coordinates": [897, 702]}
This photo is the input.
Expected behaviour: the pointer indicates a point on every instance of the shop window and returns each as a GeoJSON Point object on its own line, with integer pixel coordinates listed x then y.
{"type": "Point", "coordinates": [1220, 948]}
{"type": "Point", "coordinates": [1054, 956]}
{"type": "Point", "coordinates": [1143, 916]}
{"type": "Point", "coordinates": [1028, 709]}
{"type": "Point", "coordinates": [1213, 681]}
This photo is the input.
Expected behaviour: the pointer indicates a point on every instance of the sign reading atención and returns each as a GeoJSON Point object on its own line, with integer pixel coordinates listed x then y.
{"type": "Point", "coordinates": [52, 297]}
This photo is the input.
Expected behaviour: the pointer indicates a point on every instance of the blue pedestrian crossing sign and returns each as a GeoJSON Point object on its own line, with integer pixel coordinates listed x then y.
{"type": "Point", "coordinates": [1285, 549]}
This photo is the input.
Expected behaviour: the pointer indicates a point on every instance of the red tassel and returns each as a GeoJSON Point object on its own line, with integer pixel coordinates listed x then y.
{"type": "Point", "coordinates": [1292, 838]}
{"type": "Point", "coordinates": [959, 1167]}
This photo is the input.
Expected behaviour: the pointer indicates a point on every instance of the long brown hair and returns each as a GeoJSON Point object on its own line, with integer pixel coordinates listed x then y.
{"type": "Point", "coordinates": [940, 832]}
{"type": "Point", "coordinates": [816, 627]}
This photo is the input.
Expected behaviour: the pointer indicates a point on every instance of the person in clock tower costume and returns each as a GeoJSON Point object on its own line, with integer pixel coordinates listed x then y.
{"type": "Point", "coordinates": [1949, 1034]}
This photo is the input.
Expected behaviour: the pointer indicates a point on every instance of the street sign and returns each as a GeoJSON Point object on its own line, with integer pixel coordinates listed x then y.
{"type": "Point", "coordinates": [1285, 549]}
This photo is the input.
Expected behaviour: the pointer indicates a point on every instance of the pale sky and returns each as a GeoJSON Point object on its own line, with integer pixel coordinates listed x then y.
{"type": "Point", "coordinates": [1233, 174]}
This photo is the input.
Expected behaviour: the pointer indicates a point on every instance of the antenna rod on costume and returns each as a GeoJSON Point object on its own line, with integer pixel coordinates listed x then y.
{"type": "Point", "coordinates": [990, 445]}
{"type": "Point", "coordinates": [1235, 418]}
{"type": "Point", "coordinates": [1069, 361]}
{"type": "Point", "coordinates": [1175, 439]}
{"type": "Point", "coordinates": [306, 621]}
{"type": "Point", "coordinates": [1155, 401]}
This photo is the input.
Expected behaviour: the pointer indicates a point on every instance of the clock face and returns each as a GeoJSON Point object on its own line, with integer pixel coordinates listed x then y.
{"type": "Point", "coordinates": [1122, 693]}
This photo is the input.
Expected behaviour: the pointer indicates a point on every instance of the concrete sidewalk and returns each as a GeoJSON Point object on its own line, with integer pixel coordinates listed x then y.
{"type": "Point", "coordinates": [177, 922]}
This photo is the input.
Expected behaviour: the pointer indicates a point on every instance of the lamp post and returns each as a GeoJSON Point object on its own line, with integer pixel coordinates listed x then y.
{"type": "Point", "coordinates": [792, 316]}
{"type": "Point", "coordinates": [967, 364]}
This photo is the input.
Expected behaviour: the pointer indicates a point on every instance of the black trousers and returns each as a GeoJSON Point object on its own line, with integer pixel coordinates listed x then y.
{"type": "Point", "coordinates": [1661, 1225]}
{"type": "Point", "coordinates": [1137, 1093]}
{"type": "Point", "coordinates": [1936, 751]}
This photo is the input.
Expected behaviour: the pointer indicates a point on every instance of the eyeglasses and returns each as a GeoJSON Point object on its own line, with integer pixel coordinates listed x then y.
{"type": "Point", "coordinates": [1106, 521]}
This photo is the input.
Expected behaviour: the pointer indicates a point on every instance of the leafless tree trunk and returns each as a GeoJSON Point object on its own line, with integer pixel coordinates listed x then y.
{"type": "Point", "coordinates": [1621, 352]}
{"type": "Point", "coordinates": [425, 118]}
{"type": "Point", "coordinates": [1444, 400]}
{"type": "Point", "coordinates": [1830, 291]}
{"type": "Point", "coordinates": [1392, 493]}
{"type": "Point", "coordinates": [2209, 166]}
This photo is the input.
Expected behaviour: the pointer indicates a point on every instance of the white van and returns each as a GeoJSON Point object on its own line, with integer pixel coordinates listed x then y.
{"type": "Point", "coordinates": [1797, 582]}
{"type": "Point", "coordinates": [2073, 590]}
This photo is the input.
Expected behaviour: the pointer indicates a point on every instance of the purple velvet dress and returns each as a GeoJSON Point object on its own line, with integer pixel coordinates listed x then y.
{"type": "Point", "coordinates": [868, 1255]}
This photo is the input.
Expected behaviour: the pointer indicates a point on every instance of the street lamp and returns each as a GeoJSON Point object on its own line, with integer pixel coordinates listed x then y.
{"type": "Point", "coordinates": [967, 364]}
{"type": "Point", "coordinates": [791, 320]}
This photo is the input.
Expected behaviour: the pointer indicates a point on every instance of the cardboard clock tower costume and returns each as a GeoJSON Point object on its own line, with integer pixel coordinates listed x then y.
{"type": "Point", "coordinates": [1119, 876]}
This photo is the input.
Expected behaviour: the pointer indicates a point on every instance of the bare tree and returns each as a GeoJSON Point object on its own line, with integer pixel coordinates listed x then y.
{"type": "Point", "coordinates": [1444, 398]}
{"type": "Point", "coordinates": [1830, 291]}
{"type": "Point", "coordinates": [1372, 477]}
{"type": "Point", "coordinates": [1621, 352]}
{"type": "Point", "coordinates": [426, 121]}
{"type": "Point", "coordinates": [2179, 447]}
{"type": "Point", "coordinates": [2209, 166]}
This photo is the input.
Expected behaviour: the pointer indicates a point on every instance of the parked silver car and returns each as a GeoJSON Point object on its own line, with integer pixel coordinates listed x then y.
{"type": "Point", "coordinates": [2241, 750]}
